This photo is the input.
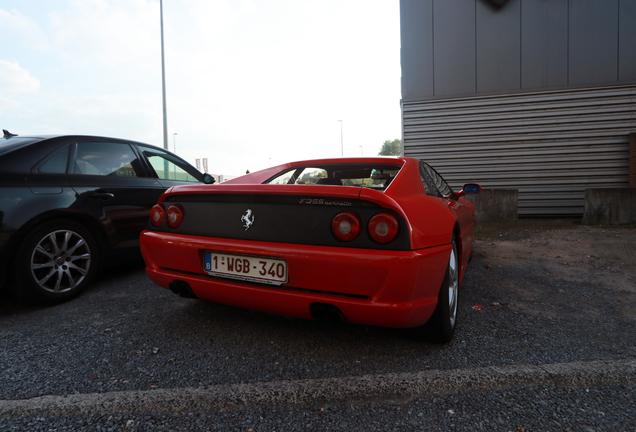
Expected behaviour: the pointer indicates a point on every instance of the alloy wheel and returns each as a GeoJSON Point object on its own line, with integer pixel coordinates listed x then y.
{"type": "Point", "coordinates": [453, 286]}
{"type": "Point", "coordinates": [60, 261]}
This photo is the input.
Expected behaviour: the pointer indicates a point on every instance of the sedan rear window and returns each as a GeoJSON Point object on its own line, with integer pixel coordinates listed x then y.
{"type": "Point", "coordinates": [8, 145]}
{"type": "Point", "coordinates": [106, 159]}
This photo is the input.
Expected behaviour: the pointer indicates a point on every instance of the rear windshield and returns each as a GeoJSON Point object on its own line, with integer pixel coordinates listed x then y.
{"type": "Point", "coordinates": [8, 145]}
{"type": "Point", "coordinates": [373, 176]}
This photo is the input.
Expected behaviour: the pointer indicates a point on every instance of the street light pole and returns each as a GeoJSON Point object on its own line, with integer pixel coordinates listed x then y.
{"type": "Point", "coordinates": [163, 82]}
{"type": "Point", "coordinates": [174, 147]}
{"type": "Point", "coordinates": [361, 151]}
{"type": "Point", "coordinates": [341, 140]}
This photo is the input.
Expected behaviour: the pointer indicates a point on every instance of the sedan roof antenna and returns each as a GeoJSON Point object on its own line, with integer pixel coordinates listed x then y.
{"type": "Point", "coordinates": [8, 134]}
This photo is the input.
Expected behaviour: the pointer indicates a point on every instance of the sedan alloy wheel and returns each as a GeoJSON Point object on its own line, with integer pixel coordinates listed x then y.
{"type": "Point", "coordinates": [60, 261]}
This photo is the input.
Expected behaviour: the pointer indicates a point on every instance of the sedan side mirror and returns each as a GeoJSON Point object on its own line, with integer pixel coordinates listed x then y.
{"type": "Point", "coordinates": [208, 178]}
{"type": "Point", "coordinates": [469, 189]}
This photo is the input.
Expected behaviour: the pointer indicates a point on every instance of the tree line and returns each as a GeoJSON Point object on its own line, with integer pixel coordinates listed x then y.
{"type": "Point", "coordinates": [391, 148]}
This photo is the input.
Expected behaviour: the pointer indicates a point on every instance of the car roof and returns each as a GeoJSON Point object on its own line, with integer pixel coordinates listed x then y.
{"type": "Point", "coordinates": [349, 160]}
{"type": "Point", "coordinates": [8, 145]}
{"type": "Point", "coordinates": [267, 173]}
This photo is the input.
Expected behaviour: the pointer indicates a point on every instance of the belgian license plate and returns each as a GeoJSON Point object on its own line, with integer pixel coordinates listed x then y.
{"type": "Point", "coordinates": [271, 271]}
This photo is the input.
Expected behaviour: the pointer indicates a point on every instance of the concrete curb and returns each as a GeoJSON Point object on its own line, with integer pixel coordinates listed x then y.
{"type": "Point", "coordinates": [382, 387]}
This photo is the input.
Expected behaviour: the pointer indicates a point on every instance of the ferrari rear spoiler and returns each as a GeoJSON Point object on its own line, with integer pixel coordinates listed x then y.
{"type": "Point", "coordinates": [350, 192]}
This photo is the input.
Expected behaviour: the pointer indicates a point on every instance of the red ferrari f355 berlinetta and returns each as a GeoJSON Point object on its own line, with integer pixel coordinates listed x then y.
{"type": "Point", "coordinates": [377, 241]}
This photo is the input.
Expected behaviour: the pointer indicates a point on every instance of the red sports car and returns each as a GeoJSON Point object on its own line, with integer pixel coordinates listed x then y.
{"type": "Point", "coordinates": [375, 241]}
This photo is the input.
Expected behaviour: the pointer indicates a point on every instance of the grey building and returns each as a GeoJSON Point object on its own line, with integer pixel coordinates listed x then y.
{"type": "Point", "coordinates": [535, 95]}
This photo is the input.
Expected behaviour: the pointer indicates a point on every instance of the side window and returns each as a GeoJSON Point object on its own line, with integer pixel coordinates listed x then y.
{"type": "Point", "coordinates": [106, 159]}
{"type": "Point", "coordinates": [427, 180]}
{"type": "Point", "coordinates": [167, 166]}
{"type": "Point", "coordinates": [57, 163]}
{"type": "Point", "coordinates": [433, 182]}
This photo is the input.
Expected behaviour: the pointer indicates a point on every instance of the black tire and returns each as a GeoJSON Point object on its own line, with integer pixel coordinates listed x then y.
{"type": "Point", "coordinates": [440, 328]}
{"type": "Point", "coordinates": [54, 262]}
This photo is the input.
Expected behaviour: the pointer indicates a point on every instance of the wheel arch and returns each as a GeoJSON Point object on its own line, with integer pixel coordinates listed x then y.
{"type": "Point", "coordinates": [49, 280]}
{"type": "Point", "coordinates": [89, 222]}
{"type": "Point", "coordinates": [460, 249]}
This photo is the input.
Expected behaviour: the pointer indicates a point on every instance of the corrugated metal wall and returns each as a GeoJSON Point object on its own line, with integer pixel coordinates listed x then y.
{"type": "Point", "coordinates": [550, 145]}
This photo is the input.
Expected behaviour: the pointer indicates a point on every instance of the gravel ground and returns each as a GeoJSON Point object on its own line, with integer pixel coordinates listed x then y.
{"type": "Point", "coordinates": [517, 410]}
{"type": "Point", "coordinates": [530, 296]}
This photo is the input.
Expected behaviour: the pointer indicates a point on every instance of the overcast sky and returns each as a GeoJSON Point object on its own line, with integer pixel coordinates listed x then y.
{"type": "Point", "coordinates": [249, 83]}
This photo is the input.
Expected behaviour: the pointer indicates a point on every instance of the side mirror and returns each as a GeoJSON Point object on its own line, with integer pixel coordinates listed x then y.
{"type": "Point", "coordinates": [208, 179]}
{"type": "Point", "coordinates": [469, 189]}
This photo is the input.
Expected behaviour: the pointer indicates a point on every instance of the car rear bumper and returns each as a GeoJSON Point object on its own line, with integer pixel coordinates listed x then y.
{"type": "Point", "coordinates": [372, 287]}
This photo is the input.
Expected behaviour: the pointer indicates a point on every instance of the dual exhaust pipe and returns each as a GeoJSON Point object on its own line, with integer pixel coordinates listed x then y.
{"type": "Point", "coordinates": [182, 289]}
{"type": "Point", "coordinates": [326, 313]}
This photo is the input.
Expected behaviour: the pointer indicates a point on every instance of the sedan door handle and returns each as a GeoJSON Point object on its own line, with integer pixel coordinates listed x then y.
{"type": "Point", "coordinates": [102, 195]}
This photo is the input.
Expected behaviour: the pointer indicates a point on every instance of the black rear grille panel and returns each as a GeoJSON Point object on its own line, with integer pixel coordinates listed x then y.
{"type": "Point", "coordinates": [280, 219]}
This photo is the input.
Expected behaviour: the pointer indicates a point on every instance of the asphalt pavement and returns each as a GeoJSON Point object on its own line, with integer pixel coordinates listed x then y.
{"type": "Point", "coordinates": [128, 355]}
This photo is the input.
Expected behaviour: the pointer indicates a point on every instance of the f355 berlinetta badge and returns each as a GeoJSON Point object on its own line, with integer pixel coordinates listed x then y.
{"type": "Point", "coordinates": [247, 219]}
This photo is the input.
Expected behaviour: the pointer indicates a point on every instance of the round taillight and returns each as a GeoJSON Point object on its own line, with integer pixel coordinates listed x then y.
{"type": "Point", "coordinates": [156, 215]}
{"type": "Point", "coordinates": [383, 227]}
{"type": "Point", "coordinates": [174, 216]}
{"type": "Point", "coordinates": [346, 226]}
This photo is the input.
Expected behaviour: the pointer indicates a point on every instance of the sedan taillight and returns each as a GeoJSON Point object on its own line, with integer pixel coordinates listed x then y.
{"type": "Point", "coordinates": [174, 216]}
{"type": "Point", "coordinates": [346, 226]}
{"type": "Point", "coordinates": [383, 227]}
{"type": "Point", "coordinates": [157, 214]}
